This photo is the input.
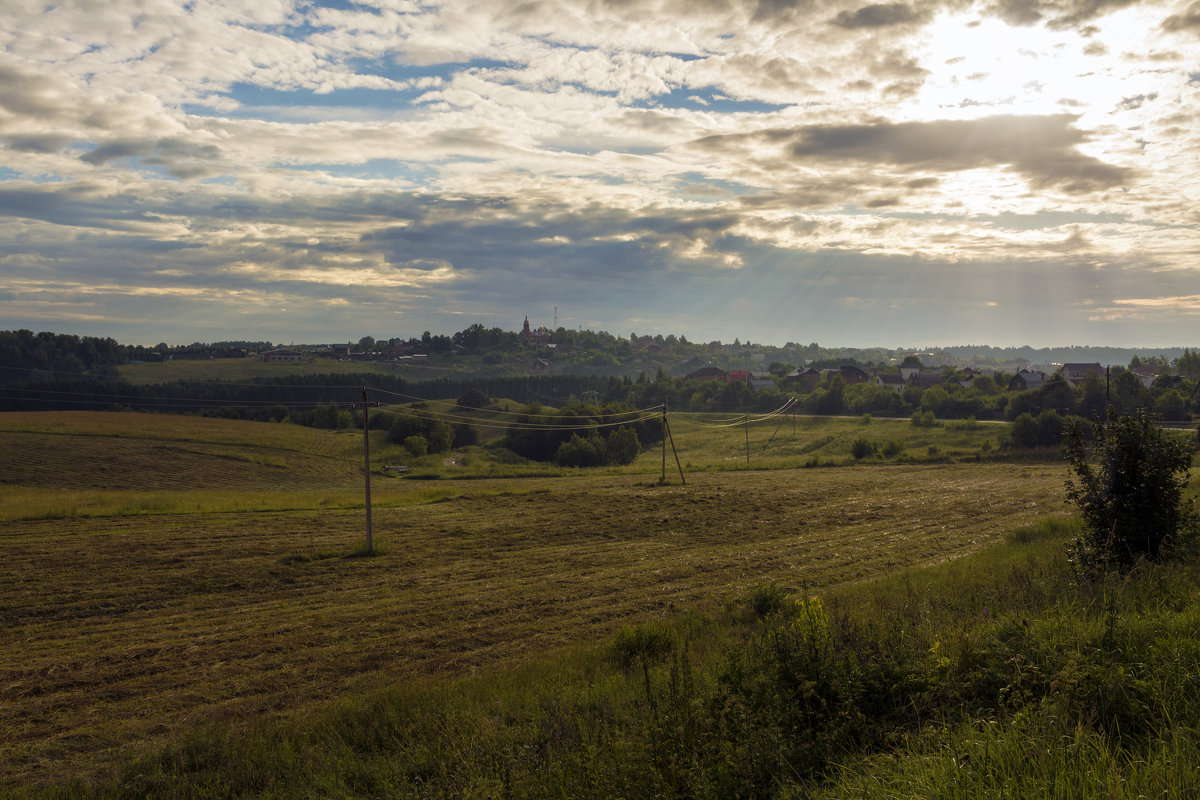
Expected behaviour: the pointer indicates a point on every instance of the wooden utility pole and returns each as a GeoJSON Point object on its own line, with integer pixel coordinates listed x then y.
{"type": "Point", "coordinates": [682, 479]}
{"type": "Point", "coordinates": [367, 471]}
{"type": "Point", "coordinates": [663, 479]}
{"type": "Point", "coordinates": [1108, 391]}
{"type": "Point", "coordinates": [746, 422]}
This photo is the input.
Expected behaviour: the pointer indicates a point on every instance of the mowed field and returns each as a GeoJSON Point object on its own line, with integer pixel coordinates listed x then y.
{"type": "Point", "coordinates": [196, 572]}
{"type": "Point", "coordinates": [242, 369]}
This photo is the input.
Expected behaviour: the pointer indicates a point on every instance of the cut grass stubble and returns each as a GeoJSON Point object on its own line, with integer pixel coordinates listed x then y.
{"type": "Point", "coordinates": [127, 630]}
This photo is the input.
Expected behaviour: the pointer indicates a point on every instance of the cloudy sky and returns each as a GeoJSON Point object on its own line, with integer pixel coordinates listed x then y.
{"type": "Point", "coordinates": [900, 173]}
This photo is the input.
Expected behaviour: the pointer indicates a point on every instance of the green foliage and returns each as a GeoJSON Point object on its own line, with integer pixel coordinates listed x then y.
{"type": "Point", "coordinates": [416, 446]}
{"type": "Point", "coordinates": [464, 435]}
{"type": "Point", "coordinates": [892, 448]}
{"type": "Point", "coordinates": [581, 452]}
{"type": "Point", "coordinates": [1188, 365]}
{"type": "Point", "coordinates": [1129, 394]}
{"type": "Point", "coordinates": [862, 447]}
{"type": "Point", "coordinates": [1056, 395]}
{"type": "Point", "coordinates": [649, 642]}
{"type": "Point", "coordinates": [924, 419]}
{"type": "Point", "coordinates": [473, 398]}
{"type": "Point", "coordinates": [985, 384]}
{"type": "Point", "coordinates": [439, 436]}
{"type": "Point", "coordinates": [1022, 403]}
{"type": "Point", "coordinates": [1050, 427]}
{"type": "Point", "coordinates": [540, 436]}
{"type": "Point", "coordinates": [1128, 486]}
{"type": "Point", "coordinates": [1024, 431]}
{"type": "Point", "coordinates": [1092, 403]}
{"type": "Point", "coordinates": [1171, 406]}
{"type": "Point", "coordinates": [933, 398]}
{"type": "Point", "coordinates": [767, 599]}
{"type": "Point", "coordinates": [870, 398]}
{"type": "Point", "coordinates": [622, 446]}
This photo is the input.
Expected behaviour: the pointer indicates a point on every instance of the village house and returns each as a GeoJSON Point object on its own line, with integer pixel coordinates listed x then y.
{"type": "Point", "coordinates": [802, 380]}
{"type": "Point", "coordinates": [852, 374]}
{"type": "Point", "coordinates": [1075, 374]}
{"type": "Point", "coordinates": [707, 374]}
{"type": "Point", "coordinates": [925, 380]}
{"type": "Point", "coordinates": [282, 355]}
{"type": "Point", "coordinates": [1025, 380]}
{"type": "Point", "coordinates": [1147, 375]}
{"type": "Point", "coordinates": [760, 382]}
{"type": "Point", "coordinates": [891, 380]}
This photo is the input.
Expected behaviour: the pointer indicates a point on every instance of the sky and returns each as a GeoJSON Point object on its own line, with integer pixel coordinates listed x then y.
{"type": "Point", "coordinates": [1007, 172]}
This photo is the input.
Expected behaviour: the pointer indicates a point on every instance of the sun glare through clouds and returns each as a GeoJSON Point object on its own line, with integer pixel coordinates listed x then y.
{"type": "Point", "coordinates": [983, 66]}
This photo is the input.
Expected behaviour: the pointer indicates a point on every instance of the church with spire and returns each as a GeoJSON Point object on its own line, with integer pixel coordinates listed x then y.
{"type": "Point", "coordinates": [539, 335]}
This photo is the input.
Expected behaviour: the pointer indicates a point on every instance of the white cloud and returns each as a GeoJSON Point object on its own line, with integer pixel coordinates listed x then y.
{"type": "Point", "coordinates": [465, 152]}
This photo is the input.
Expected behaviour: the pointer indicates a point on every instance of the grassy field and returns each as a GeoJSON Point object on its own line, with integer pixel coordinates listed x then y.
{"type": "Point", "coordinates": [166, 573]}
{"type": "Point", "coordinates": [241, 369]}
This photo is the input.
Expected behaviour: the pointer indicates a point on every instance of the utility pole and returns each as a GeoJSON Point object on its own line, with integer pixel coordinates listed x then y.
{"type": "Point", "coordinates": [664, 442]}
{"type": "Point", "coordinates": [746, 421]}
{"type": "Point", "coordinates": [367, 471]}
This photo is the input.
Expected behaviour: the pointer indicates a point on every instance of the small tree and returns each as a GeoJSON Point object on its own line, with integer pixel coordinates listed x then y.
{"type": "Point", "coordinates": [580, 452]}
{"type": "Point", "coordinates": [473, 398]}
{"type": "Point", "coordinates": [1024, 431]}
{"type": "Point", "coordinates": [1129, 486]}
{"type": "Point", "coordinates": [622, 446]}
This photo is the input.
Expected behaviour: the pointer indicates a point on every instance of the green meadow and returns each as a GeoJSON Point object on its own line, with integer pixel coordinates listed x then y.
{"type": "Point", "coordinates": [189, 611]}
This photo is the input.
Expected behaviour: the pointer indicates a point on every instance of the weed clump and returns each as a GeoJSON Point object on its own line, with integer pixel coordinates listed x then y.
{"type": "Point", "coordinates": [647, 643]}
{"type": "Point", "coordinates": [767, 599]}
{"type": "Point", "coordinates": [862, 447]}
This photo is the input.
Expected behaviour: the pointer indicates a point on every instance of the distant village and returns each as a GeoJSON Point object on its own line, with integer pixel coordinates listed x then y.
{"type": "Point", "coordinates": [555, 367]}
{"type": "Point", "coordinates": [792, 367]}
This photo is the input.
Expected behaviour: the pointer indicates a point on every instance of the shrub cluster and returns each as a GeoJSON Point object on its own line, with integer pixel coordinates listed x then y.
{"type": "Point", "coordinates": [581, 435]}
{"type": "Point", "coordinates": [420, 432]}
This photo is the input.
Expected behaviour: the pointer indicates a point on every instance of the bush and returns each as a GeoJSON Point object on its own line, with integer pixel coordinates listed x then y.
{"type": "Point", "coordinates": [862, 447]}
{"type": "Point", "coordinates": [767, 599]}
{"type": "Point", "coordinates": [473, 398]}
{"type": "Point", "coordinates": [622, 446]}
{"type": "Point", "coordinates": [1050, 428]}
{"type": "Point", "coordinates": [464, 435]}
{"type": "Point", "coordinates": [1024, 431]}
{"type": "Point", "coordinates": [438, 435]}
{"type": "Point", "coordinates": [1128, 486]}
{"type": "Point", "coordinates": [649, 642]}
{"type": "Point", "coordinates": [580, 452]}
{"type": "Point", "coordinates": [417, 446]}
{"type": "Point", "coordinates": [893, 447]}
{"type": "Point", "coordinates": [924, 419]}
